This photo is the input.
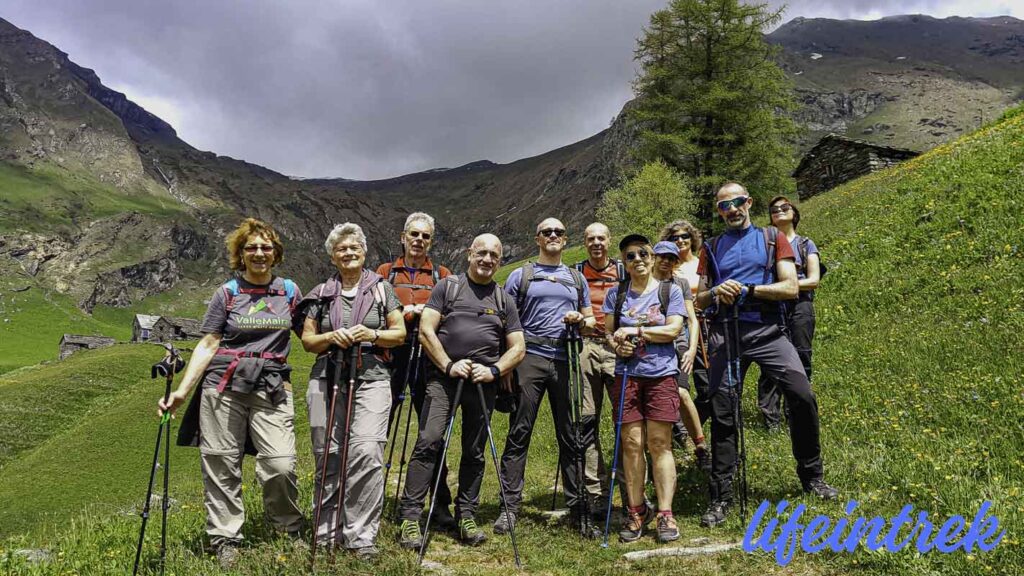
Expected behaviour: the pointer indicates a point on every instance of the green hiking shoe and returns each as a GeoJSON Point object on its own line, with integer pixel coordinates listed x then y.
{"type": "Point", "coordinates": [409, 535]}
{"type": "Point", "coordinates": [469, 533]}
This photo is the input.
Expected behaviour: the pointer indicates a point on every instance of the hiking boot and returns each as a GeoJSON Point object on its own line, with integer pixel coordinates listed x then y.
{"type": "Point", "coordinates": [715, 514]}
{"type": "Point", "coordinates": [820, 489]}
{"type": "Point", "coordinates": [444, 520]}
{"type": "Point", "coordinates": [703, 456]}
{"type": "Point", "coordinates": [227, 556]}
{"type": "Point", "coordinates": [366, 553]}
{"type": "Point", "coordinates": [469, 533]}
{"type": "Point", "coordinates": [633, 527]}
{"type": "Point", "coordinates": [409, 535]}
{"type": "Point", "coordinates": [667, 529]}
{"type": "Point", "coordinates": [506, 520]}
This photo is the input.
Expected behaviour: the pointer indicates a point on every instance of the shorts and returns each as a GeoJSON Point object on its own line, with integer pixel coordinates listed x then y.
{"type": "Point", "coordinates": [654, 399]}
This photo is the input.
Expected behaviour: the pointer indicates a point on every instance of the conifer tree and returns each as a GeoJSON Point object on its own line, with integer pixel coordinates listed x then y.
{"type": "Point", "coordinates": [712, 102]}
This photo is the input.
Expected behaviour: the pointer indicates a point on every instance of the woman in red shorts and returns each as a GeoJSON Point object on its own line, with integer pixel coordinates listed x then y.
{"type": "Point", "coordinates": [643, 327]}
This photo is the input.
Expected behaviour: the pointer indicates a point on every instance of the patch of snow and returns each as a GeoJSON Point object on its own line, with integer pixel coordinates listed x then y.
{"type": "Point", "coordinates": [815, 55]}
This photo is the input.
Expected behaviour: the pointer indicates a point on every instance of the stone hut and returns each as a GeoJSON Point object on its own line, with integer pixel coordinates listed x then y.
{"type": "Point", "coordinates": [71, 343]}
{"type": "Point", "coordinates": [186, 328]}
{"type": "Point", "coordinates": [158, 329]}
{"type": "Point", "coordinates": [837, 159]}
{"type": "Point", "coordinates": [142, 327]}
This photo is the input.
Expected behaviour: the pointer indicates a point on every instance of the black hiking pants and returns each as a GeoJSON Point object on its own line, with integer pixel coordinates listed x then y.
{"type": "Point", "coordinates": [538, 375]}
{"type": "Point", "coordinates": [774, 353]}
{"type": "Point", "coordinates": [399, 366]}
{"type": "Point", "coordinates": [437, 409]}
{"type": "Point", "coordinates": [800, 330]}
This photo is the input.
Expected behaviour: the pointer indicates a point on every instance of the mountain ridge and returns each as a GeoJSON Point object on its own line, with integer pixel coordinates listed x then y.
{"type": "Point", "coordinates": [56, 117]}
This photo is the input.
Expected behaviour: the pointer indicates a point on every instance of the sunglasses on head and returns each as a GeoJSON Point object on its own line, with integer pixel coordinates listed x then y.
{"type": "Point", "coordinates": [552, 232]}
{"type": "Point", "coordinates": [680, 236]}
{"type": "Point", "coordinates": [641, 254]}
{"type": "Point", "coordinates": [253, 248]}
{"type": "Point", "coordinates": [781, 208]}
{"type": "Point", "coordinates": [736, 202]}
{"type": "Point", "coordinates": [418, 234]}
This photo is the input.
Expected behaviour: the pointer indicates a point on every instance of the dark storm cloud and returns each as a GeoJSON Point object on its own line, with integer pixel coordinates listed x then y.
{"type": "Point", "coordinates": [364, 89]}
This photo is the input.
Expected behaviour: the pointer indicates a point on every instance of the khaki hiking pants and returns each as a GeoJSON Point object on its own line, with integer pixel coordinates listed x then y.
{"type": "Point", "coordinates": [226, 420]}
{"type": "Point", "coordinates": [364, 487]}
{"type": "Point", "coordinates": [597, 362]}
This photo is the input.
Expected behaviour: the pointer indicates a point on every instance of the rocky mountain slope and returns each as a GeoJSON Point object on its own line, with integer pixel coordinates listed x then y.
{"type": "Point", "coordinates": [102, 201]}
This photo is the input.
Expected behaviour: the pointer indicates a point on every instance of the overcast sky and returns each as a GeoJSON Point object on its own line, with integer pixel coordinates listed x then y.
{"type": "Point", "coordinates": [370, 89]}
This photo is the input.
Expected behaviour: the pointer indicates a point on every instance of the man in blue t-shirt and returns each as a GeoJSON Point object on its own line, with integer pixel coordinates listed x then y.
{"type": "Point", "coordinates": [799, 313]}
{"type": "Point", "coordinates": [550, 296]}
{"type": "Point", "coordinates": [738, 281]}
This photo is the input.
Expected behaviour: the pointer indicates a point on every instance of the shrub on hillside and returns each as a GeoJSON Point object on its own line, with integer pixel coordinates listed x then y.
{"type": "Point", "coordinates": [645, 202]}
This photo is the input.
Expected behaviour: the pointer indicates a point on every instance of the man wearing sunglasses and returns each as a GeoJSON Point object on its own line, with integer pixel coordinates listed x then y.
{"type": "Point", "coordinates": [799, 313]}
{"type": "Point", "coordinates": [550, 297]}
{"type": "Point", "coordinates": [414, 276]}
{"type": "Point", "coordinates": [745, 277]}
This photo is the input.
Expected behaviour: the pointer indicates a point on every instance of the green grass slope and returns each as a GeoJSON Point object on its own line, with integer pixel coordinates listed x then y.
{"type": "Point", "coordinates": [50, 198]}
{"type": "Point", "coordinates": [918, 375]}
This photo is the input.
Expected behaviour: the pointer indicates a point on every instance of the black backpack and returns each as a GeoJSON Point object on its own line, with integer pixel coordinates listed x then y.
{"type": "Point", "coordinates": [664, 292]}
{"type": "Point", "coordinates": [527, 277]}
{"type": "Point", "coordinates": [771, 311]}
{"type": "Point", "coordinates": [453, 287]}
{"type": "Point", "coordinates": [802, 246]}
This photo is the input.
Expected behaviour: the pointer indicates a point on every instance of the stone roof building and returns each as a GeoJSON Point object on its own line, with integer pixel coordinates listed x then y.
{"type": "Point", "coordinates": [71, 343]}
{"type": "Point", "coordinates": [142, 327]}
{"type": "Point", "coordinates": [146, 328]}
{"type": "Point", "coordinates": [837, 159]}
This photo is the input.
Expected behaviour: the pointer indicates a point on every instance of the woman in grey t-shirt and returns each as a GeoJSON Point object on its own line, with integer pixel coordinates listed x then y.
{"type": "Point", "coordinates": [353, 308]}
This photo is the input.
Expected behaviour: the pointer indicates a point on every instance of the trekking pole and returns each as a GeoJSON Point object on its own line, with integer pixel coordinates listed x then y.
{"type": "Point", "coordinates": [408, 421]}
{"type": "Point", "coordinates": [409, 369]}
{"type": "Point", "coordinates": [497, 470]}
{"type": "Point", "coordinates": [734, 384]}
{"type": "Point", "coordinates": [328, 439]}
{"type": "Point", "coordinates": [741, 432]}
{"type": "Point", "coordinates": [440, 464]}
{"type": "Point", "coordinates": [576, 408]}
{"type": "Point", "coordinates": [167, 367]}
{"type": "Point", "coordinates": [350, 392]}
{"type": "Point", "coordinates": [615, 454]}
{"type": "Point", "coordinates": [554, 489]}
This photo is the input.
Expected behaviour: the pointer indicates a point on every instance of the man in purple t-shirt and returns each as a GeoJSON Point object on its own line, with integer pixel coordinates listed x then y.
{"type": "Point", "coordinates": [550, 297]}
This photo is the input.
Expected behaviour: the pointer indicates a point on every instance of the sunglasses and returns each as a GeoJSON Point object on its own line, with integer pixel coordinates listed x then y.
{"type": "Point", "coordinates": [641, 254]}
{"type": "Point", "coordinates": [552, 232]}
{"type": "Point", "coordinates": [418, 234]}
{"type": "Point", "coordinates": [266, 248]}
{"type": "Point", "coordinates": [736, 202]}
{"type": "Point", "coordinates": [680, 236]}
{"type": "Point", "coordinates": [781, 208]}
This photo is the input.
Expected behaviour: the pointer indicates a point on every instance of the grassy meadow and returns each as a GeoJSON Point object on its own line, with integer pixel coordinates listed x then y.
{"type": "Point", "coordinates": [917, 369]}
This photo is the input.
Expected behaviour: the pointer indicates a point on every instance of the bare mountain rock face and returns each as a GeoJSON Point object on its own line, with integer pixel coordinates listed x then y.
{"type": "Point", "coordinates": [134, 211]}
{"type": "Point", "coordinates": [876, 80]}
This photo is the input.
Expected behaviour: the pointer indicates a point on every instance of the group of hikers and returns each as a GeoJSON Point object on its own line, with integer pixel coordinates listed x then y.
{"type": "Point", "coordinates": [638, 328]}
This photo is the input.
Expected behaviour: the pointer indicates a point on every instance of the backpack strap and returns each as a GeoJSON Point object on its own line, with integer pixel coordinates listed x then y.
{"type": "Point", "coordinates": [620, 269]}
{"type": "Point", "coordinates": [579, 265]}
{"type": "Point", "coordinates": [579, 281]}
{"type": "Point", "coordinates": [435, 273]}
{"type": "Point", "coordinates": [524, 285]}
{"type": "Point", "coordinates": [501, 300]}
{"type": "Point", "coordinates": [620, 299]}
{"type": "Point", "coordinates": [452, 288]}
{"type": "Point", "coordinates": [392, 272]}
{"type": "Point", "coordinates": [771, 238]}
{"type": "Point", "coordinates": [289, 290]}
{"type": "Point", "coordinates": [230, 292]}
{"type": "Point", "coordinates": [664, 293]}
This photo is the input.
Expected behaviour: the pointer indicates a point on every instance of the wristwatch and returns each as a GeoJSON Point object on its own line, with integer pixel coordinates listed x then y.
{"type": "Point", "coordinates": [495, 372]}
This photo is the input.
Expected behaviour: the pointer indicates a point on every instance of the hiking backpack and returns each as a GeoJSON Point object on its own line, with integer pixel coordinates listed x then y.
{"type": "Point", "coordinates": [435, 274]}
{"type": "Point", "coordinates": [578, 281]}
{"type": "Point", "coordinates": [453, 286]}
{"type": "Point", "coordinates": [232, 289]}
{"type": "Point", "coordinates": [664, 293]}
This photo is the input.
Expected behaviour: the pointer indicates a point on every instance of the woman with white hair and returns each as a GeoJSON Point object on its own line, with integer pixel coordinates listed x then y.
{"type": "Point", "coordinates": [353, 315]}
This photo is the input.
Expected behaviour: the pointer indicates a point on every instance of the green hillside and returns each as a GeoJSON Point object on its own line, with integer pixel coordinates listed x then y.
{"type": "Point", "coordinates": [918, 373]}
